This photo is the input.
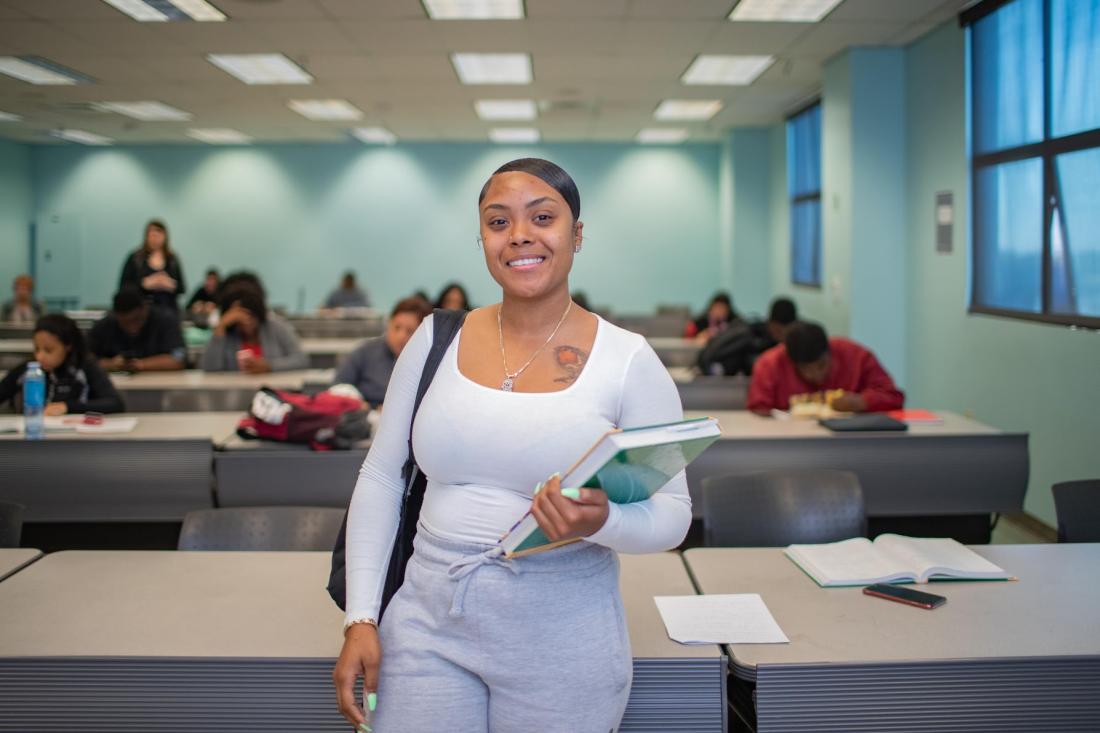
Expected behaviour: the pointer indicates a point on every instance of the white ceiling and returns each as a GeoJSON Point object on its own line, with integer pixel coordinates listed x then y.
{"type": "Point", "coordinates": [602, 66]}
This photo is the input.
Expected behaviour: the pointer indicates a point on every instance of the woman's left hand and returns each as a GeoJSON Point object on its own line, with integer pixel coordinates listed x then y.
{"type": "Point", "coordinates": [564, 518]}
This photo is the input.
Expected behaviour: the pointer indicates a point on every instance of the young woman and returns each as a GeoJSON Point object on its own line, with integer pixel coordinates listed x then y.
{"type": "Point", "coordinates": [74, 381]}
{"type": "Point", "coordinates": [473, 640]}
{"type": "Point", "coordinates": [155, 268]}
{"type": "Point", "coordinates": [453, 297]}
{"type": "Point", "coordinates": [247, 340]}
{"type": "Point", "coordinates": [718, 315]}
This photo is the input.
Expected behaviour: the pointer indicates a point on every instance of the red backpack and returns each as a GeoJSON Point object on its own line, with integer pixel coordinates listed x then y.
{"type": "Point", "coordinates": [323, 420]}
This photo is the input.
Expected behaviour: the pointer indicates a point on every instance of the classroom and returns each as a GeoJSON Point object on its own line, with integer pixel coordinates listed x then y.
{"type": "Point", "coordinates": [553, 366]}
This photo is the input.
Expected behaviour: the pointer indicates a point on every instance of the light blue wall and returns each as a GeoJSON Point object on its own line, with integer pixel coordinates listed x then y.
{"type": "Point", "coordinates": [750, 225]}
{"type": "Point", "coordinates": [405, 217]}
{"type": "Point", "coordinates": [829, 303]}
{"type": "Point", "coordinates": [16, 213]}
{"type": "Point", "coordinates": [1016, 375]}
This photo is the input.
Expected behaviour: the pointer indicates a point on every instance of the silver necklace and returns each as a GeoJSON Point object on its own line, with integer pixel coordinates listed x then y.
{"type": "Point", "coordinates": [510, 378]}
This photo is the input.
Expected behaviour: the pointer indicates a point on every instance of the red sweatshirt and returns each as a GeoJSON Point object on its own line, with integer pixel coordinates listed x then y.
{"type": "Point", "coordinates": [852, 368]}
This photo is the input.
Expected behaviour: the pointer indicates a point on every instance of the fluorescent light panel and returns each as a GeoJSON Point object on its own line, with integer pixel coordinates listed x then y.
{"type": "Point", "coordinates": [375, 135]}
{"type": "Point", "coordinates": [9, 117]}
{"type": "Point", "coordinates": [147, 111]}
{"type": "Point", "coordinates": [325, 109]}
{"type": "Point", "coordinates": [492, 68]}
{"type": "Point", "coordinates": [514, 135]}
{"type": "Point", "coordinates": [687, 109]}
{"type": "Point", "coordinates": [37, 70]}
{"type": "Point", "coordinates": [506, 109]}
{"type": "Point", "coordinates": [726, 70]}
{"type": "Point", "coordinates": [474, 9]}
{"type": "Point", "coordinates": [219, 136]}
{"type": "Point", "coordinates": [661, 135]}
{"type": "Point", "coordinates": [783, 11]}
{"type": "Point", "coordinates": [83, 137]}
{"type": "Point", "coordinates": [260, 68]}
{"type": "Point", "coordinates": [159, 11]}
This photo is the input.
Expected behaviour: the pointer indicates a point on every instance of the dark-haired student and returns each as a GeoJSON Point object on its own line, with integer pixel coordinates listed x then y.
{"type": "Point", "coordinates": [154, 268]}
{"type": "Point", "coordinates": [205, 300]}
{"type": "Point", "coordinates": [718, 315]}
{"type": "Point", "coordinates": [808, 361]}
{"type": "Point", "coordinates": [136, 337]}
{"type": "Point", "coordinates": [453, 297]}
{"type": "Point", "coordinates": [247, 340]}
{"type": "Point", "coordinates": [74, 382]}
{"type": "Point", "coordinates": [369, 367]}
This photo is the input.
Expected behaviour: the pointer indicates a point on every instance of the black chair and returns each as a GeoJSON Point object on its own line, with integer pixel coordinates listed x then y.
{"type": "Point", "coordinates": [11, 523]}
{"type": "Point", "coordinates": [1077, 505]}
{"type": "Point", "coordinates": [778, 508]}
{"type": "Point", "coordinates": [261, 528]}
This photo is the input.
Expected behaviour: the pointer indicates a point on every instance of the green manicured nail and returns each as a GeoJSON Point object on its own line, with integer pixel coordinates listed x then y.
{"type": "Point", "coordinates": [372, 701]}
{"type": "Point", "coordinates": [539, 485]}
{"type": "Point", "coordinates": [364, 728]}
{"type": "Point", "coordinates": [574, 494]}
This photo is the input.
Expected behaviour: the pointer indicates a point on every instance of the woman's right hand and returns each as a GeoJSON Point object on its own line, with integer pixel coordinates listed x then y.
{"type": "Point", "coordinates": [361, 656]}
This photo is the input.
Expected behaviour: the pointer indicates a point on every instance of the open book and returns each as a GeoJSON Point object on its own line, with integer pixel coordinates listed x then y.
{"type": "Point", "coordinates": [629, 465]}
{"type": "Point", "coordinates": [891, 558]}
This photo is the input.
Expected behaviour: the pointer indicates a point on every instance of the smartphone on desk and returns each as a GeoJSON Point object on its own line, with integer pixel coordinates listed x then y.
{"type": "Point", "coordinates": [907, 596]}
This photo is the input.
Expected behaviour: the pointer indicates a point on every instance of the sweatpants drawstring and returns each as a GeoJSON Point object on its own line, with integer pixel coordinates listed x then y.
{"type": "Point", "coordinates": [462, 570]}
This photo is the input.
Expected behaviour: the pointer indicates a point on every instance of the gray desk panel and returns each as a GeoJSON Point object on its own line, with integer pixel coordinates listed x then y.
{"type": "Point", "coordinates": [196, 391]}
{"type": "Point", "coordinates": [286, 476]}
{"type": "Point", "coordinates": [714, 393]}
{"type": "Point", "coordinates": [14, 559]}
{"type": "Point", "coordinates": [106, 480]}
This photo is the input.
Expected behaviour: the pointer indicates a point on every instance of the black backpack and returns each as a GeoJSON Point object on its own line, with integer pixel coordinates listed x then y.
{"type": "Point", "coordinates": [446, 324]}
{"type": "Point", "coordinates": [731, 351]}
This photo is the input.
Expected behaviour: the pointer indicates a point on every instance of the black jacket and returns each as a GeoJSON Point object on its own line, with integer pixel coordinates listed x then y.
{"type": "Point", "coordinates": [136, 268]}
{"type": "Point", "coordinates": [85, 388]}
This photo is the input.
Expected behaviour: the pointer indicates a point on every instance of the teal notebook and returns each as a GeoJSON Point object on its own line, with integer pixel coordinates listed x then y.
{"type": "Point", "coordinates": [629, 465]}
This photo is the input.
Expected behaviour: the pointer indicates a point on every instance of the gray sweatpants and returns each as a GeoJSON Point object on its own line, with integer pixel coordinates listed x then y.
{"type": "Point", "coordinates": [479, 644]}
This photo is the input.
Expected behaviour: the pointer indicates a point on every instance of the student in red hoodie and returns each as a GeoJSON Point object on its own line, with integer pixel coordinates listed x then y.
{"type": "Point", "coordinates": [808, 361]}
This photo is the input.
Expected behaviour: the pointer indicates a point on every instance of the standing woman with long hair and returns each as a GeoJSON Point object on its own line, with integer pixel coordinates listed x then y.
{"type": "Point", "coordinates": [472, 640]}
{"type": "Point", "coordinates": [154, 268]}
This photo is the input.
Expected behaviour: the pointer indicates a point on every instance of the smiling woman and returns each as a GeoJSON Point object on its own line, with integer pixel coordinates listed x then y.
{"type": "Point", "coordinates": [528, 385]}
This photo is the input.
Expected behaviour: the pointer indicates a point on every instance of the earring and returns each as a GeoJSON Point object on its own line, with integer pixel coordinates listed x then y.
{"type": "Point", "coordinates": [480, 242]}
{"type": "Point", "coordinates": [577, 248]}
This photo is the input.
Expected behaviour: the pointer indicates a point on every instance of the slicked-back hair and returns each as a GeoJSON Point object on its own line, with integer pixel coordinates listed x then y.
{"type": "Point", "coordinates": [551, 174]}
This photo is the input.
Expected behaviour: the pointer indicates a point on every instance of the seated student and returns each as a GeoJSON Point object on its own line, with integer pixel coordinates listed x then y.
{"type": "Point", "coordinates": [781, 316]}
{"type": "Point", "coordinates": [205, 299]}
{"type": "Point", "coordinates": [74, 382]}
{"type": "Point", "coordinates": [22, 308]}
{"type": "Point", "coordinates": [247, 340]}
{"type": "Point", "coordinates": [717, 316]}
{"type": "Point", "coordinates": [348, 295]}
{"type": "Point", "coordinates": [808, 362]}
{"type": "Point", "coordinates": [136, 337]}
{"type": "Point", "coordinates": [368, 368]}
{"type": "Point", "coordinates": [453, 297]}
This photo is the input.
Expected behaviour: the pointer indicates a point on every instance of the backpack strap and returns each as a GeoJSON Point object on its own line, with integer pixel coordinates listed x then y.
{"type": "Point", "coordinates": [445, 325]}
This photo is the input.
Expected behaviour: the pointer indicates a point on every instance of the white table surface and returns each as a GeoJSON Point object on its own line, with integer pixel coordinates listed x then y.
{"type": "Point", "coordinates": [215, 426]}
{"type": "Point", "coordinates": [196, 379]}
{"type": "Point", "coordinates": [745, 425]}
{"type": "Point", "coordinates": [12, 559]}
{"type": "Point", "coordinates": [16, 346]}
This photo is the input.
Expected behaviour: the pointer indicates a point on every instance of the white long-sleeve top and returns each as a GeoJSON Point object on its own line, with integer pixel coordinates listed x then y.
{"type": "Point", "coordinates": [484, 450]}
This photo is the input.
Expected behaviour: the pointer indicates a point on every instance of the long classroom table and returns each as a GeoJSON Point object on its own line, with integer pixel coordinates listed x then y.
{"type": "Point", "coordinates": [998, 656]}
{"type": "Point", "coordinates": [158, 472]}
{"type": "Point", "coordinates": [218, 641]}
{"type": "Point", "coordinates": [14, 559]}
{"type": "Point", "coordinates": [193, 390]}
{"type": "Point", "coordinates": [962, 470]}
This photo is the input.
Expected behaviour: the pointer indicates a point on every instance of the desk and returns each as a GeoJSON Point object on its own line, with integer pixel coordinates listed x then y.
{"type": "Point", "coordinates": [218, 641]}
{"type": "Point", "coordinates": [196, 391]}
{"type": "Point", "coordinates": [322, 328]}
{"type": "Point", "coordinates": [326, 353]}
{"type": "Point", "coordinates": [158, 472]}
{"type": "Point", "coordinates": [11, 330]}
{"type": "Point", "coordinates": [959, 468]}
{"type": "Point", "coordinates": [14, 559]}
{"type": "Point", "coordinates": [15, 351]}
{"type": "Point", "coordinates": [675, 352]}
{"type": "Point", "coordinates": [1016, 656]}
{"type": "Point", "coordinates": [711, 394]}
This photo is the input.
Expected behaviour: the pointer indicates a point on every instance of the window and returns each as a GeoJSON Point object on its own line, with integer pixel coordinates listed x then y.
{"type": "Point", "coordinates": [804, 187]}
{"type": "Point", "coordinates": [1035, 139]}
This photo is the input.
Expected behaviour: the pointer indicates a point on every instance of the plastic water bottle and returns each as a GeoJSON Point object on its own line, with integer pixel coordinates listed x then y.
{"type": "Point", "coordinates": [34, 401]}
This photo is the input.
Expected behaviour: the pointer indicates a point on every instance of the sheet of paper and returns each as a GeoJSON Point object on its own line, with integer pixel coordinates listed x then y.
{"type": "Point", "coordinates": [109, 425]}
{"type": "Point", "coordinates": [740, 618]}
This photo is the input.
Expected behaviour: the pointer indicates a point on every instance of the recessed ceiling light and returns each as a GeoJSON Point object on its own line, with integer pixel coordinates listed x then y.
{"type": "Point", "coordinates": [730, 70]}
{"type": "Point", "coordinates": [9, 117]}
{"type": "Point", "coordinates": [148, 111]}
{"type": "Point", "coordinates": [159, 11]}
{"type": "Point", "coordinates": [514, 135]}
{"type": "Point", "coordinates": [687, 109]}
{"type": "Point", "coordinates": [261, 68]}
{"type": "Point", "coordinates": [375, 135]}
{"type": "Point", "coordinates": [325, 109]}
{"type": "Point", "coordinates": [474, 9]}
{"type": "Point", "coordinates": [506, 109]}
{"type": "Point", "coordinates": [661, 135]}
{"type": "Point", "coordinates": [492, 68]}
{"type": "Point", "coordinates": [784, 11]}
{"type": "Point", "coordinates": [83, 137]}
{"type": "Point", "coordinates": [39, 71]}
{"type": "Point", "coordinates": [219, 136]}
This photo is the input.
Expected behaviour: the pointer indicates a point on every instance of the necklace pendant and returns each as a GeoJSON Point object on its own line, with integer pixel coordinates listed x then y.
{"type": "Point", "coordinates": [507, 385]}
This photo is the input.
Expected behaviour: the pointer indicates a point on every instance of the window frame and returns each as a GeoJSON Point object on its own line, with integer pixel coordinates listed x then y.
{"type": "Point", "coordinates": [792, 200]}
{"type": "Point", "coordinates": [1046, 150]}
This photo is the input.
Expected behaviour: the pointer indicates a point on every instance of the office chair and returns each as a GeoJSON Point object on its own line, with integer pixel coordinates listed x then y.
{"type": "Point", "coordinates": [261, 528]}
{"type": "Point", "coordinates": [778, 508]}
{"type": "Point", "coordinates": [1077, 506]}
